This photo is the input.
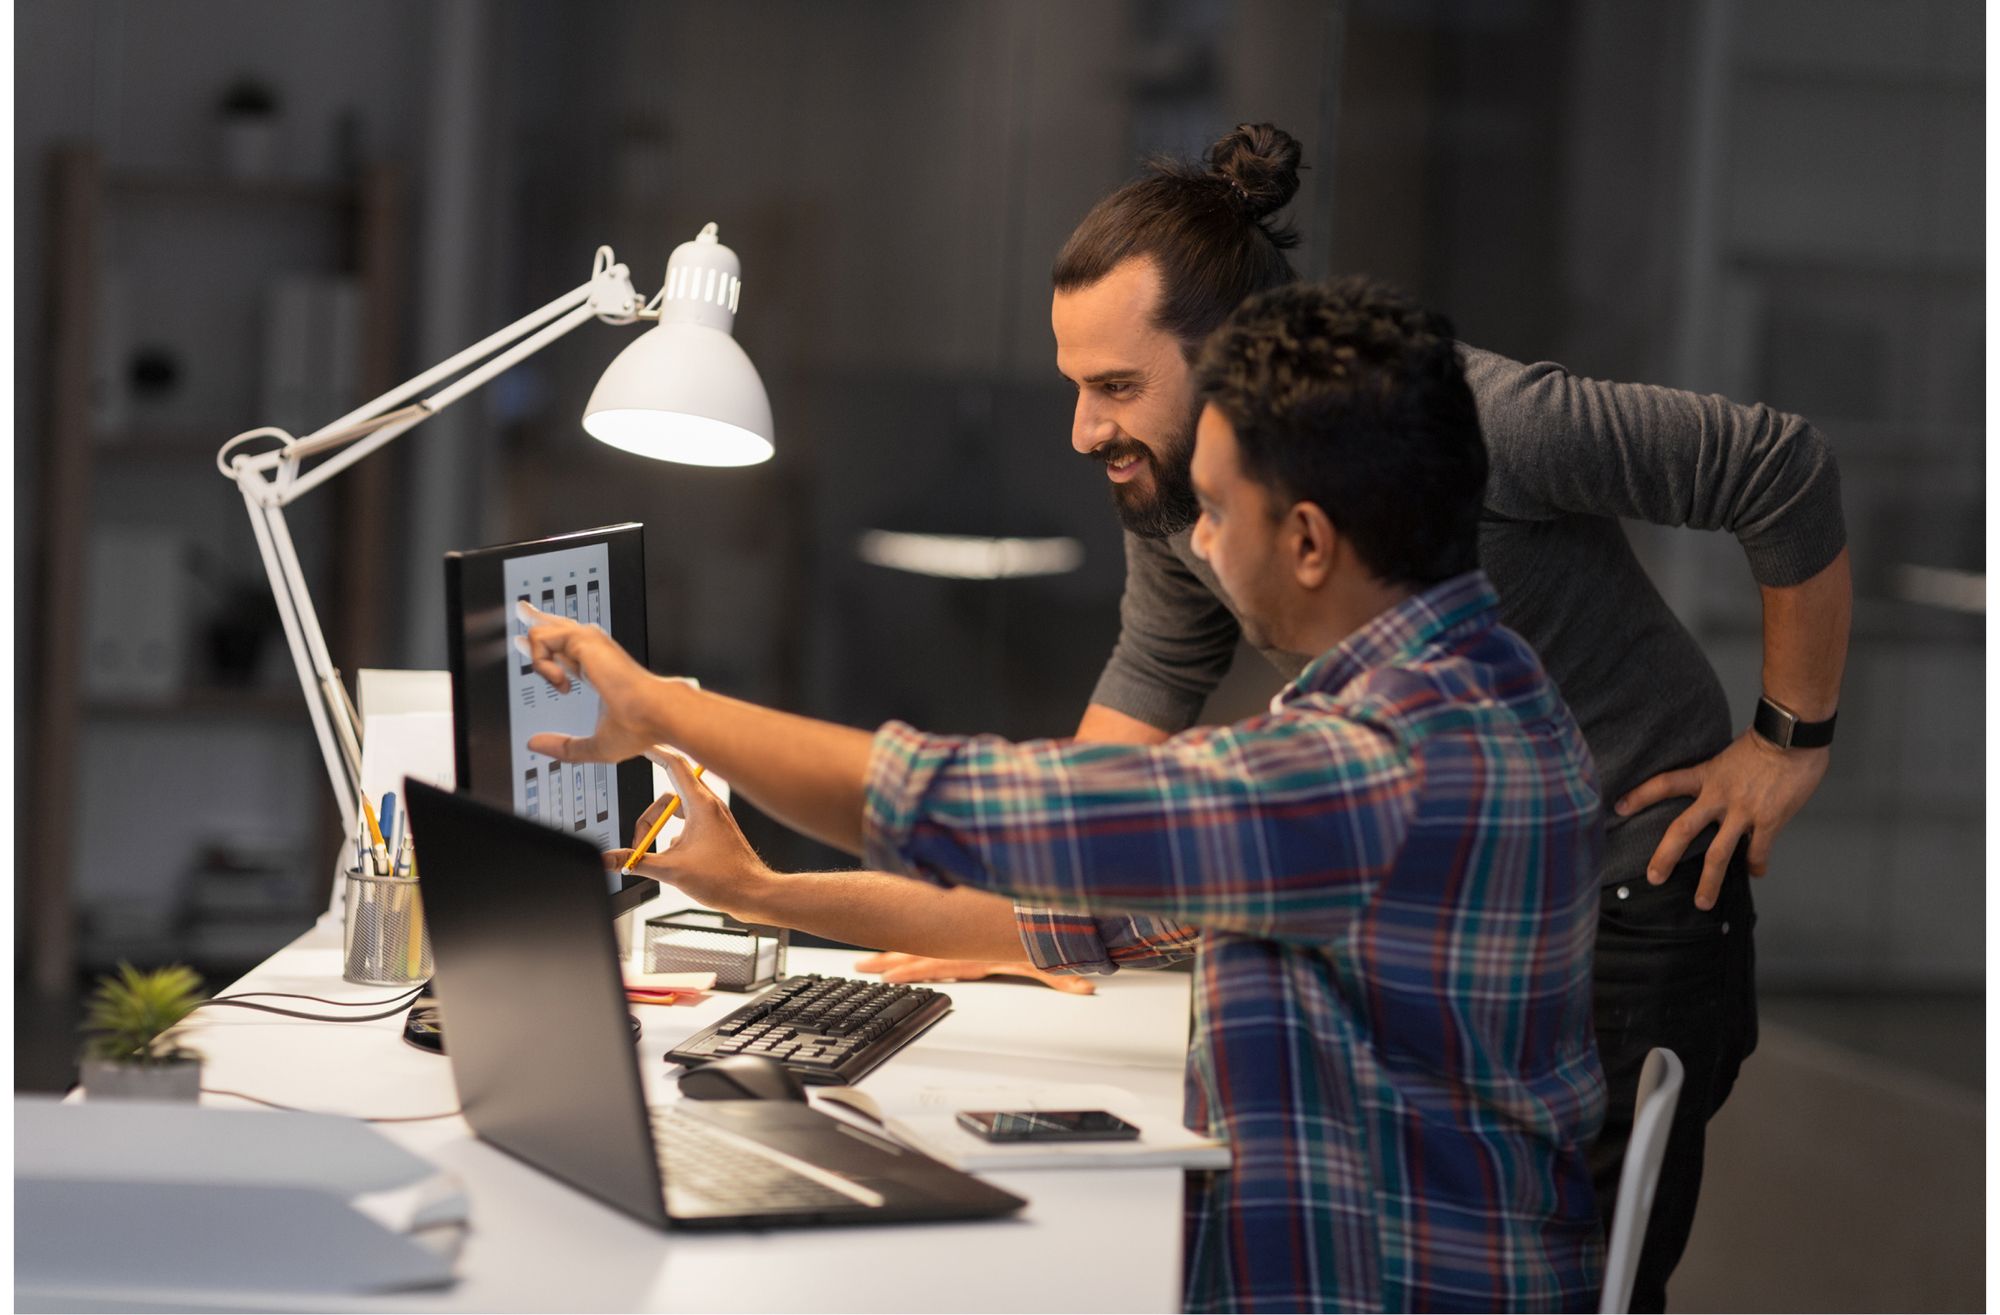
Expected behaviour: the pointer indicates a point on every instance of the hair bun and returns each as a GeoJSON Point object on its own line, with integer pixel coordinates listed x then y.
{"type": "Point", "coordinates": [1260, 162]}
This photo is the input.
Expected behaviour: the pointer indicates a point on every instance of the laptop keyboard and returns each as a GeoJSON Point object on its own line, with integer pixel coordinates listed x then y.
{"type": "Point", "coordinates": [705, 1166]}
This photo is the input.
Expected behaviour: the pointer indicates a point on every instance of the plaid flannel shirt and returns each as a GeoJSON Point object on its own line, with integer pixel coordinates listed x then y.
{"type": "Point", "coordinates": [1394, 879]}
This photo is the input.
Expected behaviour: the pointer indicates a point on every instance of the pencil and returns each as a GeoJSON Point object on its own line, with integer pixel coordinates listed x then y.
{"type": "Point", "coordinates": [380, 850]}
{"type": "Point", "coordinates": [645, 846]}
{"type": "Point", "coordinates": [414, 956]}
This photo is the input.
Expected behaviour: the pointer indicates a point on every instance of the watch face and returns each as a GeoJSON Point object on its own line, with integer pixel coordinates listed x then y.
{"type": "Point", "coordinates": [1774, 723]}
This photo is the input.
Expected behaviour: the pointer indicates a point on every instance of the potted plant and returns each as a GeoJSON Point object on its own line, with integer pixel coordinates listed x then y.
{"type": "Point", "coordinates": [127, 1055]}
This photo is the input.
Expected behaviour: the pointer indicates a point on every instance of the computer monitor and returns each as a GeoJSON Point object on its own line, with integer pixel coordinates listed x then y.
{"type": "Point", "coordinates": [498, 700]}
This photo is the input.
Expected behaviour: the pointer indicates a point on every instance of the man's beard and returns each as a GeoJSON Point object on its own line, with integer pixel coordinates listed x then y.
{"type": "Point", "coordinates": [1165, 504]}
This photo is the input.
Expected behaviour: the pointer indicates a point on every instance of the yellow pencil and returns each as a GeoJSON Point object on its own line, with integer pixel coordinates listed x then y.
{"type": "Point", "coordinates": [380, 846]}
{"type": "Point", "coordinates": [414, 955]}
{"type": "Point", "coordinates": [645, 846]}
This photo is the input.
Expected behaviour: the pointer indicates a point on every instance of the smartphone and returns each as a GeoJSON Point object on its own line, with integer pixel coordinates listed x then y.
{"type": "Point", "coordinates": [1047, 1125]}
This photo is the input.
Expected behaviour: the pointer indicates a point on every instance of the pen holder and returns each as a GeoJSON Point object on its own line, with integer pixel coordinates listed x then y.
{"type": "Point", "coordinates": [743, 957]}
{"type": "Point", "coordinates": [386, 941]}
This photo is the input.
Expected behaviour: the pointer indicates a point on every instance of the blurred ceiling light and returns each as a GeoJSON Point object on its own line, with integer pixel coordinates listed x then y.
{"type": "Point", "coordinates": [969, 556]}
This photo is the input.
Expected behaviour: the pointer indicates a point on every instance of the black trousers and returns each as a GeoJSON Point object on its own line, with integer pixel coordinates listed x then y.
{"type": "Point", "coordinates": [1669, 974]}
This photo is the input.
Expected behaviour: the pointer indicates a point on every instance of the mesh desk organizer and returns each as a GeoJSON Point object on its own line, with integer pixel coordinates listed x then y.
{"type": "Point", "coordinates": [742, 957]}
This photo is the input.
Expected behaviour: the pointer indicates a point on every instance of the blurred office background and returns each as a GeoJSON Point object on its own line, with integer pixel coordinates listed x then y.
{"type": "Point", "coordinates": [231, 213]}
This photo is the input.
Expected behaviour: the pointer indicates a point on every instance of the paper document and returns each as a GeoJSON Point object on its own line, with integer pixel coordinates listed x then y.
{"type": "Point", "coordinates": [381, 691]}
{"type": "Point", "coordinates": [147, 1204]}
{"type": "Point", "coordinates": [928, 1122]}
{"type": "Point", "coordinates": [399, 744]}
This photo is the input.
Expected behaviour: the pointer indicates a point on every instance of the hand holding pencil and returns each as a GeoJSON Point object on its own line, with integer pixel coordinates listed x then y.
{"type": "Point", "coordinates": [710, 860]}
{"type": "Point", "coordinates": [645, 845]}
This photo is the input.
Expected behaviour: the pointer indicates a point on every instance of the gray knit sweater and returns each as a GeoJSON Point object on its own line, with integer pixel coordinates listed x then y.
{"type": "Point", "coordinates": [1570, 458]}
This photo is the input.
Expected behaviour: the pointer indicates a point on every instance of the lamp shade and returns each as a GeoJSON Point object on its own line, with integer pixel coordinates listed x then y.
{"type": "Point", "coordinates": [685, 390]}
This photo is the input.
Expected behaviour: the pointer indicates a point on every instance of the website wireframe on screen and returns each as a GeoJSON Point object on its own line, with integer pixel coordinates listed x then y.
{"type": "Point", "coordinates": [580, 798]}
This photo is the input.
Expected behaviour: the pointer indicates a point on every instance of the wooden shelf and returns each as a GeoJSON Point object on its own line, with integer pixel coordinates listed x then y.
{"type": "Point", "coordinates": [81, 459]}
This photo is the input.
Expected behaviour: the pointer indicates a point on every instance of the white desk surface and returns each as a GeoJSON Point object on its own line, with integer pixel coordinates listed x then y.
{"type": "Point", "coordinates": [1087, 1241]}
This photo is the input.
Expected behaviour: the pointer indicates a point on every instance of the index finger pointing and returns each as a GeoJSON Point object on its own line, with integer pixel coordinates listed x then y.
{"type": "Point", "coordinates": [547, 649]}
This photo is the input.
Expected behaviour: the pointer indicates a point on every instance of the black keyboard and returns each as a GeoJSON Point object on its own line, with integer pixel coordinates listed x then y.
{"type": "Point", "coordinates": [825, 1029]}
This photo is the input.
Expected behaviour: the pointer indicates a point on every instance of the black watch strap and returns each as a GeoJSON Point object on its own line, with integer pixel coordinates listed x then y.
{"type": "Point", "coordinates": [1782, 727]}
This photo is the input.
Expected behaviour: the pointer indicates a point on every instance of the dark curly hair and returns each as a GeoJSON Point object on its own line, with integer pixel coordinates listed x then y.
{"type": "Point", "coordinates": [1204, 224]}
{"type": "Point", "coordinates": [1351, 396]}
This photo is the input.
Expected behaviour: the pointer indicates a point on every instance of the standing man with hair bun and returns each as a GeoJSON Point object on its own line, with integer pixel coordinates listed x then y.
{"type": "Point", "coordinates": [1143, 280]}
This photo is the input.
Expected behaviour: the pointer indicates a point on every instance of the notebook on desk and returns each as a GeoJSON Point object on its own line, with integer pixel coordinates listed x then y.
{"type": "Point", "coordinates": [529, 980]}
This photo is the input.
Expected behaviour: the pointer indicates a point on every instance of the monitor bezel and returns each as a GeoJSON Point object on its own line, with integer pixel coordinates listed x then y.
{"type": "Point", "coordinates": [478, 614]}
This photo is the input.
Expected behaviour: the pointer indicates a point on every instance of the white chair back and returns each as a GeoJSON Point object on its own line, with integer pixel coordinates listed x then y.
{"type": "Point", "coordinates": [1652, 1120]}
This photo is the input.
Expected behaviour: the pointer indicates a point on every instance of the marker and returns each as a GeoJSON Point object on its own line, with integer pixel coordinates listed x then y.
{"type": "Point", "coordinates": [645, 846]}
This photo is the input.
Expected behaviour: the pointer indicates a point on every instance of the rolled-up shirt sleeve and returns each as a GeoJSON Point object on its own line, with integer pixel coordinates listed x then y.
{"type": "Point", "coordinates": [1264, 828]}
{"type": "Point", "coordinates": [1096, 943]}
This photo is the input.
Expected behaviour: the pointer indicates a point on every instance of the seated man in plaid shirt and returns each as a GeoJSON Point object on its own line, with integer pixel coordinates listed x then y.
{"type": "Point", "coordinates": [1393, 872]}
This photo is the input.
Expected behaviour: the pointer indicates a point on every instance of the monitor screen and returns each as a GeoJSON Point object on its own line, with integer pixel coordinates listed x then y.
{"type": "Point", "coordinates": [594, 576]}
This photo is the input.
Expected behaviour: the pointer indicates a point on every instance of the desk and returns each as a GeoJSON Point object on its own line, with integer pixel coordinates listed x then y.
{"type": "Point", "coordinates": [1087, 1241]}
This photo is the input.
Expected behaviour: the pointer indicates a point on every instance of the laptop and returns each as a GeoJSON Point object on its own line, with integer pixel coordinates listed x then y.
{"type": "Point", "coordinates": [529, 979]}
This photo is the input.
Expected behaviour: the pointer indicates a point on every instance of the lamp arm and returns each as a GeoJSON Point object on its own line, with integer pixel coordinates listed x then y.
{"type": "Point", "coordinates": [608, 295]}
{"type": "Point", "coordinates": [331, 724]}
{"type": "Point", "coordinates": [269, 481]}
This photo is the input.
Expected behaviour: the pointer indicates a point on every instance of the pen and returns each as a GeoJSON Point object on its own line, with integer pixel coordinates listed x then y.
{"type": "Point", "coordinates": [380, 848]}
{"type": "Point", "coordinates": [389, 820]}
{"type": "Point", "coordinates": [645, 845]}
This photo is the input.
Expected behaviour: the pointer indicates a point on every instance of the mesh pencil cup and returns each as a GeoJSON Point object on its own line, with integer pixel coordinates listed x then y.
{"type": "Point", "coordinates": [386, 941]}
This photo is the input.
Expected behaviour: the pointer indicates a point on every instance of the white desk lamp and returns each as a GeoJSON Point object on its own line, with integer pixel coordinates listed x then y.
{"type": "Point", "coordinates": [684, 391]}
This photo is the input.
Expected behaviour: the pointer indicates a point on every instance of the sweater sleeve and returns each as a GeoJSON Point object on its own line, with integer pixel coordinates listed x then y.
{"type": "Point", "coordinates": [1564, 445]}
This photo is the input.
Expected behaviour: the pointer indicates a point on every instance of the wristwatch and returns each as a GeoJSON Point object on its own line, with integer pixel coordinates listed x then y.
{"type": "Point", "coordinates": [1782, 727]}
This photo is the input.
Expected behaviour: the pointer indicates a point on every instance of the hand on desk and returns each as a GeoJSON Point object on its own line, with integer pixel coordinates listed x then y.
{"type": "Point", "coordinates": [710, 860]}
{"type": "Point", "coordinates": [916, 968]}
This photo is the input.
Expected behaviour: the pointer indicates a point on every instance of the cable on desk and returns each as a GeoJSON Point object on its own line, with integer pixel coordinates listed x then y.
{"type": "Point", "coordinates": [398, 1005]}
{"type": "Point", "coordinates": [407, 996]}
{"type": "Point", "coordinates": [294, 1109]}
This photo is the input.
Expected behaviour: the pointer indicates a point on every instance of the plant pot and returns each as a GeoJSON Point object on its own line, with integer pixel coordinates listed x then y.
{"type": "Point", "coordinates": [173, 1079]}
